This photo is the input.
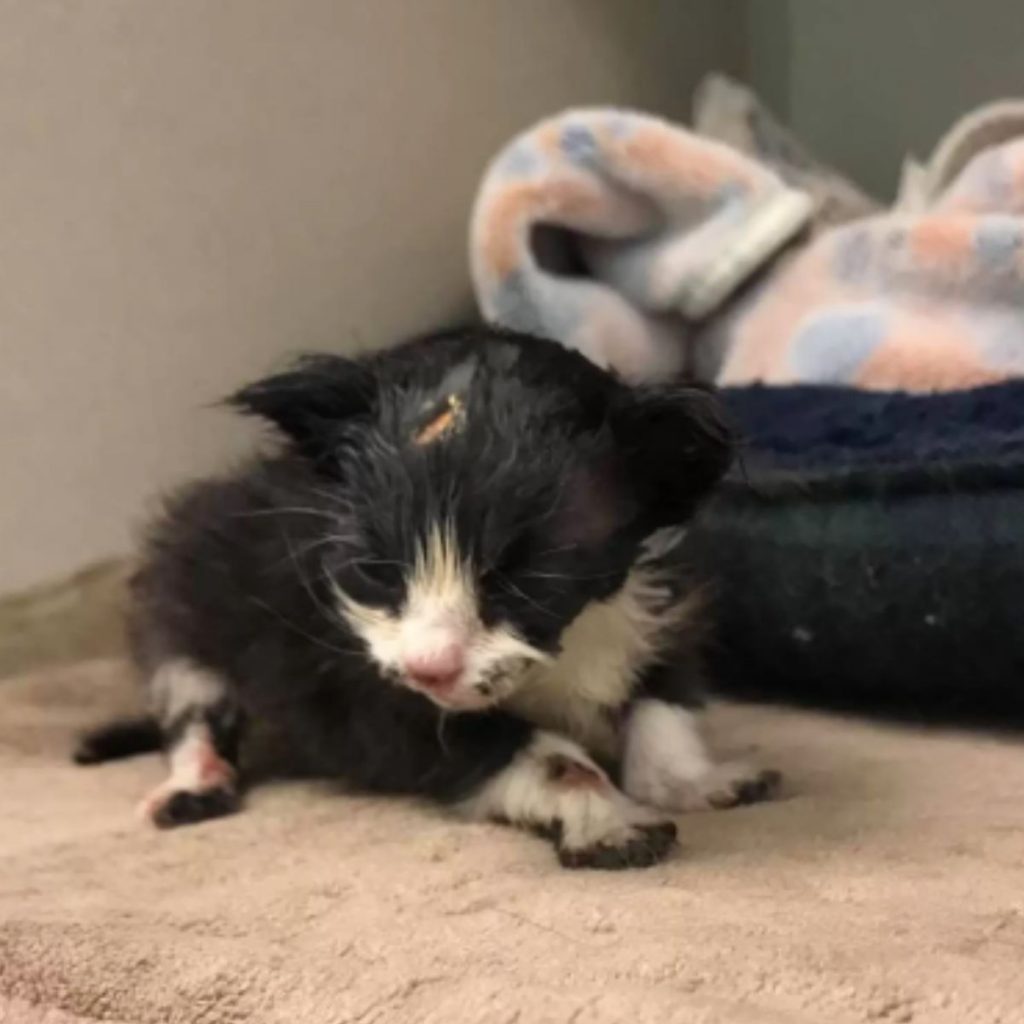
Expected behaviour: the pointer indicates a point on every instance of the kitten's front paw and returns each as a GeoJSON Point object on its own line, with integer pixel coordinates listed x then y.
{"type": "Point", "coordinates": [556, 789]}
{"type": "Point", "coordinates": [638, 846]}
{"type": "Point", "coordinates": [213, 794]}
{"type": "Point", "coordinates": [719, 787]}
{"type": "Point", "coordinates": [171, 808]}
{"type": "Point", "coordinates": [736, 784]}
{"type": "Point", "coordinates": [600, 827]}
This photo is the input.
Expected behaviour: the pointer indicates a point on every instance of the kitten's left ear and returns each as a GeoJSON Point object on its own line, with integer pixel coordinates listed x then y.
{"type": "Point", "coordinates": [675, 444]}
{"type": "Point", "coordinates": [313, 402]}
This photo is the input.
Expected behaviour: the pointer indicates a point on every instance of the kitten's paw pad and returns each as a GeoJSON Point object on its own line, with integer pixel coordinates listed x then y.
{"type": "Point", "coordinates": [87, 751]}
{"type": "Point", "coordinates": [736, 785]}
{"type": "Point", "coordinates": [640, 846]}
{"type": "Point", "coordinates": [214, 795]}
{"type": "Point", "coordinates": [186, 807]}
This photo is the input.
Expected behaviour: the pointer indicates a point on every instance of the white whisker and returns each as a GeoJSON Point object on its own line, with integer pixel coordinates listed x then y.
{"type": "Point", "coordinates": [325, 612]}
{"type": "Point", "coordinates": [298, 629]}
{"type": "Point", "coordinates": [507, 583]}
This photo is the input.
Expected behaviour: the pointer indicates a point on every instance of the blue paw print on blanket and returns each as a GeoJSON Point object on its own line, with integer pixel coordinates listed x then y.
{"type": "Point", "coordinates": [833, 346]}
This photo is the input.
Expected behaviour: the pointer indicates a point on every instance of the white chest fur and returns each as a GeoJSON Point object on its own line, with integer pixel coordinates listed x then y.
{"type": "Point", "coordinates": [603, 653]}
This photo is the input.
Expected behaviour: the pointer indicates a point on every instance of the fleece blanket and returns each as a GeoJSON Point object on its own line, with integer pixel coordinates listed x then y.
{"type": "Point", "coordinates": [653, 249]}
{"type": "Point", "coordinates": [886, 887]}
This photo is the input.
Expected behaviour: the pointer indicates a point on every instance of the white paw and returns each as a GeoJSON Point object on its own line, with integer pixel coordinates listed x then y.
{"type": "Point", "coordinates": [600, 827]}
{"type": "Point", "coordinates": [168, 806]}
{"type": "Point", "coordinates": [201, 784]}
{"type": "Point", "coordinates": [555, 788]}
{"type": "Point", "coordinates": [665, 764]}
{"type": "Point", "coordinates": [718, 787]}
{"type": "Point", "coordinates": [633, 846]}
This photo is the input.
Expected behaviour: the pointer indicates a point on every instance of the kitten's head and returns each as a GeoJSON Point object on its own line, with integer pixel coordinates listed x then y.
{"type": "Point", "coordinates": [492, 486]}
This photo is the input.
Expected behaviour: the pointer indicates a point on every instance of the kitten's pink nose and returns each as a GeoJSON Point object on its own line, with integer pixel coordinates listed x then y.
{"type": "Point", "coordinates": [436, 668]}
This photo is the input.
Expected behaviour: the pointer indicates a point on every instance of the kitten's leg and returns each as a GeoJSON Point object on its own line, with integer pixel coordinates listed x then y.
{"type": "Point", "coordinates": [553, 787]}
{"type": "Point", "coordinates": [201, 726]}
{"type": "Point", "coordinates": [665, 760]}
{"type": "Point", "coordinates": [124, 737]}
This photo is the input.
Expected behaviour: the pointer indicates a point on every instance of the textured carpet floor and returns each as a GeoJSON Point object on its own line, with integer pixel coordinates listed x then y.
{"type": "Point", "coordinates": [887, 886]}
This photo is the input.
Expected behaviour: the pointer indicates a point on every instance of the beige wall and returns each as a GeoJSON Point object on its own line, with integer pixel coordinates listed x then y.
{"type": "Point", "coordinates": [192, 189]}
{"type": "Point", "coordinates": [864, 81]}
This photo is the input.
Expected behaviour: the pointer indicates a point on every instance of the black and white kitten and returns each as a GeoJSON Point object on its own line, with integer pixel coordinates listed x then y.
{"type": "Point", "coordinates": [459, 578]}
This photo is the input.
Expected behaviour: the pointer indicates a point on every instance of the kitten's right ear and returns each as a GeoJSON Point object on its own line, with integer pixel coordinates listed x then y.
{"type": "Point", "coordinates": [313, 403]}
{"type": "Point", "coordinates": [676, 445]}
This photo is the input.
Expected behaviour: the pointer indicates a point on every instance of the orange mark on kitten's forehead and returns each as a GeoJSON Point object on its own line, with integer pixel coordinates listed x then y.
{"type": "Point", "coordinates": [442, 423]}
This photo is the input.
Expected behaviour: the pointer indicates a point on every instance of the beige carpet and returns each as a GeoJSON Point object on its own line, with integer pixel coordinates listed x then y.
{"type": "Point", "coordinates": [888, 886]}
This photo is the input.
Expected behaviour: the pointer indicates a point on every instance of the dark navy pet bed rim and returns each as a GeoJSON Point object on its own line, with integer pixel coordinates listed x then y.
{"type": "Point", "coordinates": [800, 442]}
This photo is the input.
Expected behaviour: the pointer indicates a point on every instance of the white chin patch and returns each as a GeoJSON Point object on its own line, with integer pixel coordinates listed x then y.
{"type": "Point", "coordinates": [442, 609]}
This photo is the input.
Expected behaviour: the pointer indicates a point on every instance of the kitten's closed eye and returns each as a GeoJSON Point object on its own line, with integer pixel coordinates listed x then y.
{"type": "Point", "coordinates": [513, 558]}
{"type": "Point", "coordinates": [369, 581]}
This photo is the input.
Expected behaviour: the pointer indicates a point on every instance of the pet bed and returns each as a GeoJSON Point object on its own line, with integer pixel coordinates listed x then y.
{"type": "Point", "coordinates": [868, 549]}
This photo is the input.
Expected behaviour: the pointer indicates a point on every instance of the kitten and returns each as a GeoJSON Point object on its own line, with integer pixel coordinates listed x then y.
{"type": "Point", "coordinates": [458, 577]}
